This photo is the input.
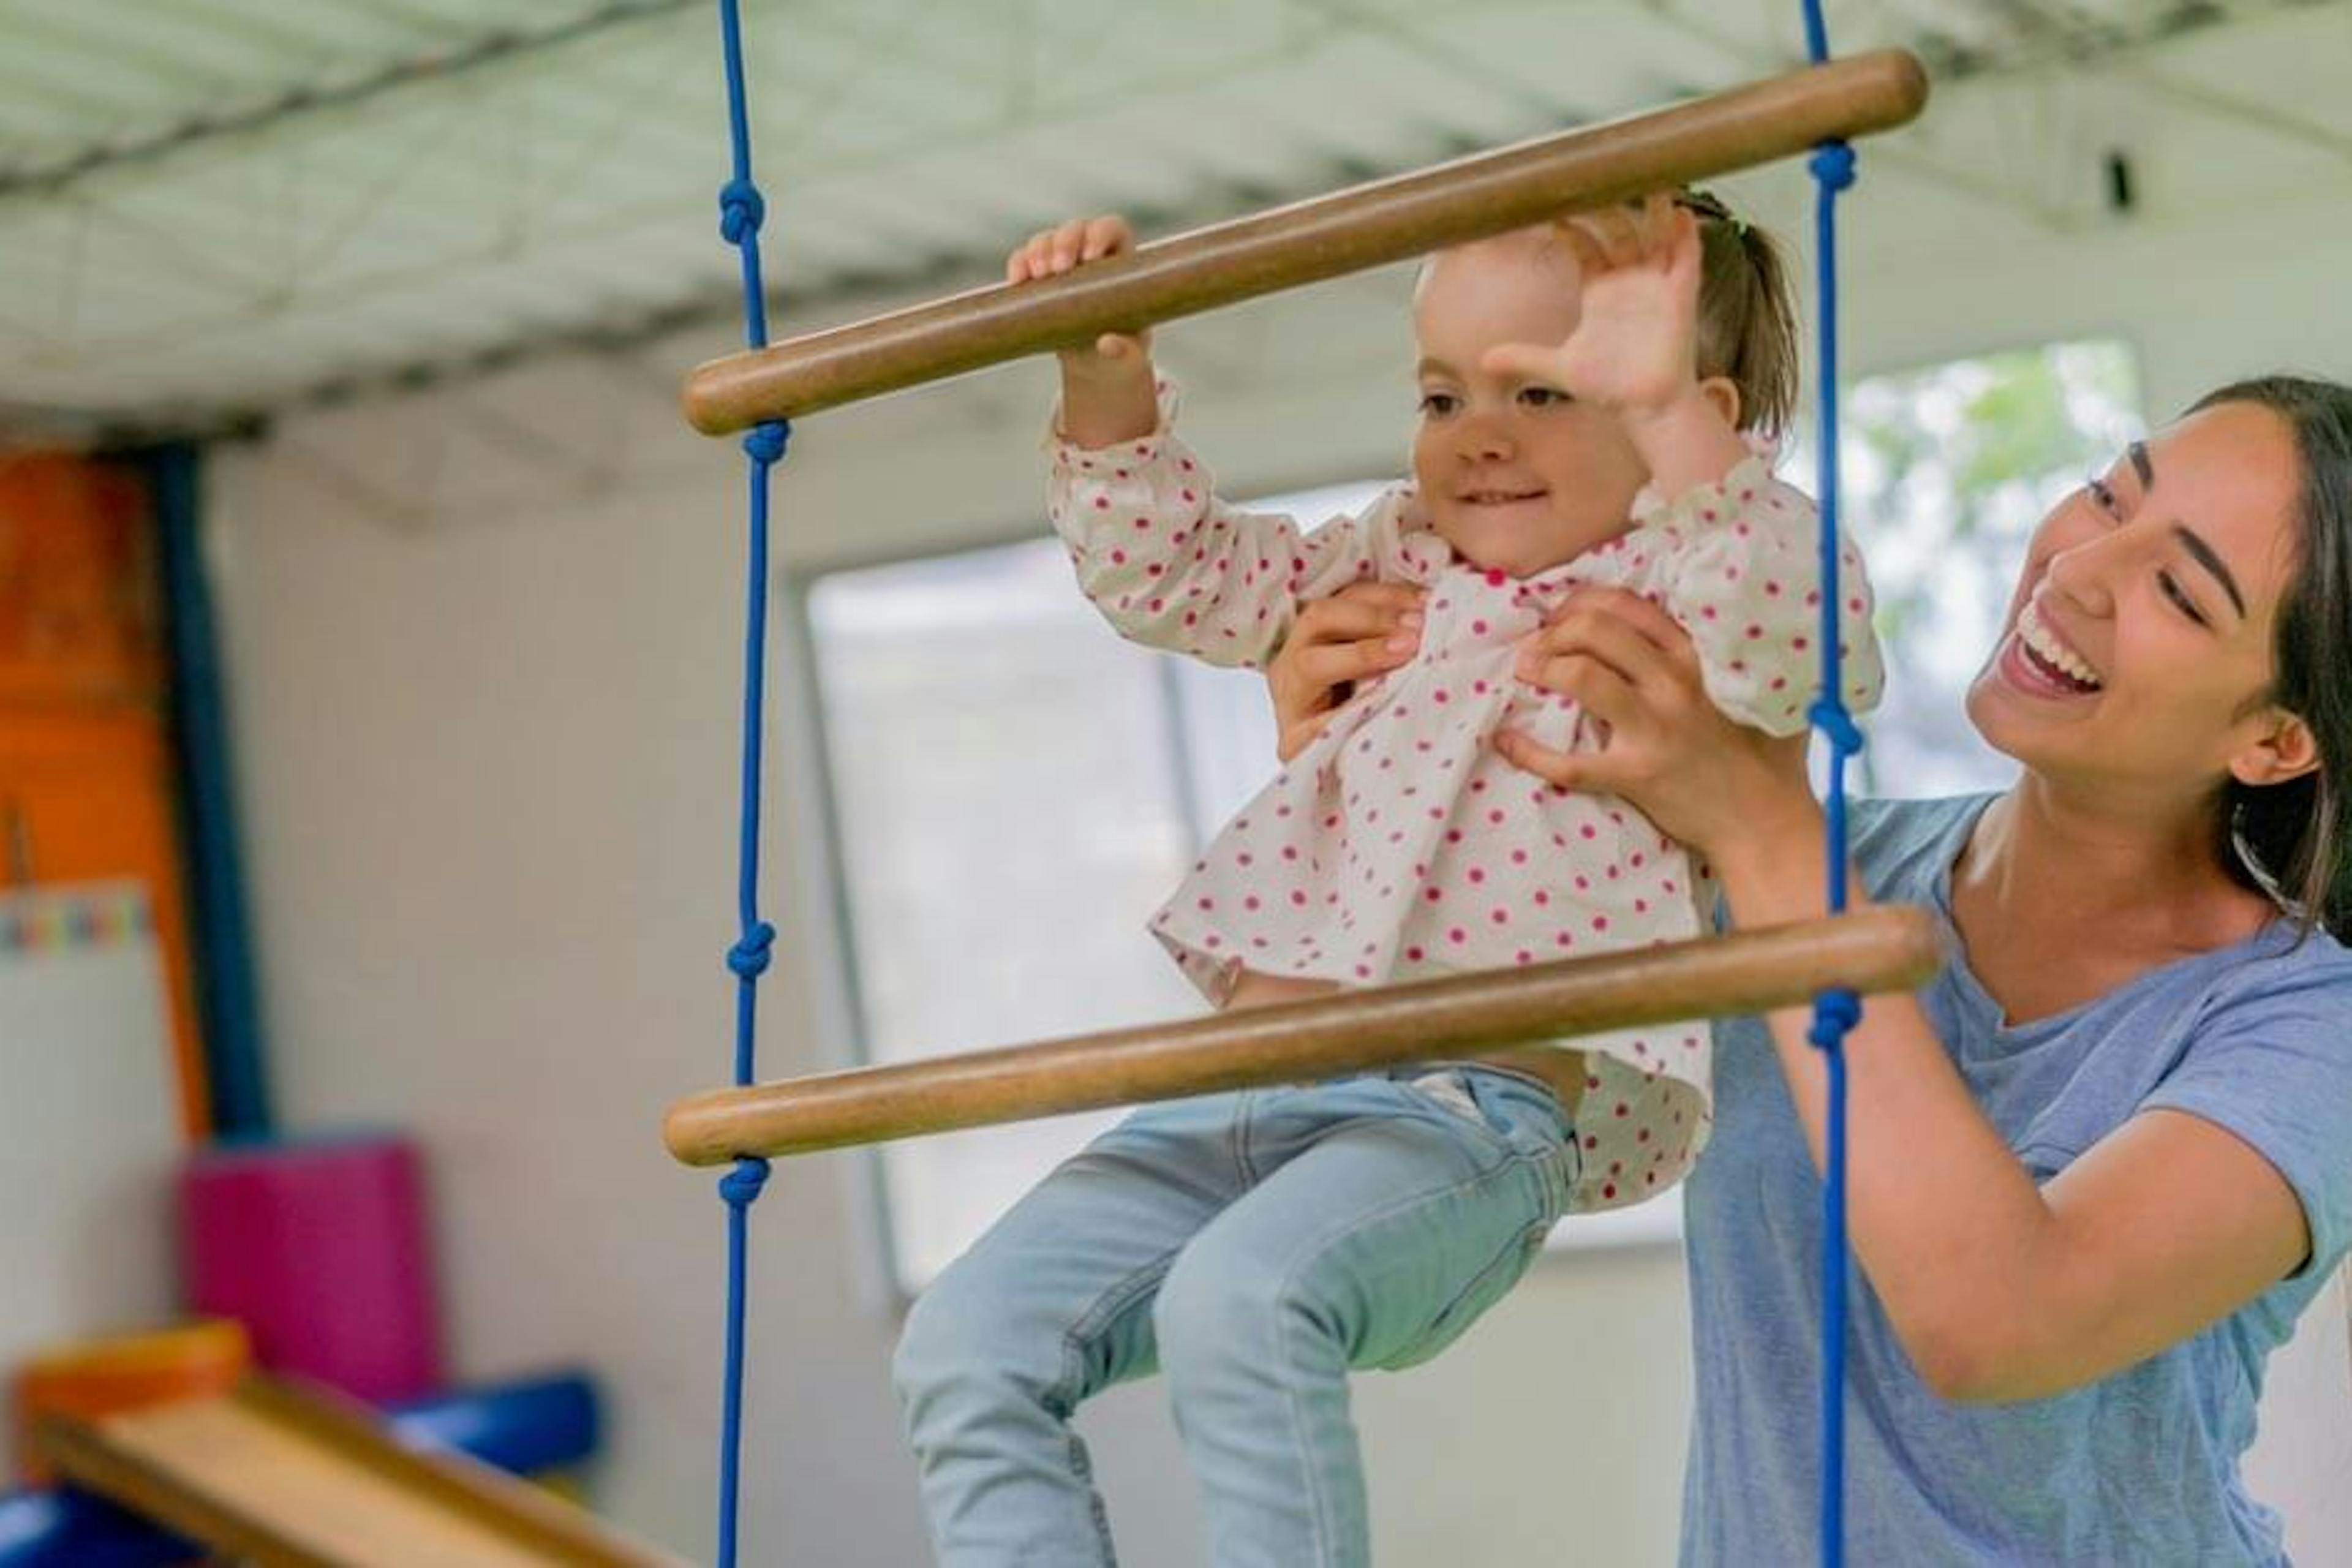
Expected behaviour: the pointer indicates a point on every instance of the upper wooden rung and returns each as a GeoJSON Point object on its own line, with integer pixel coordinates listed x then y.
{"type": "Point", "coordinates": [1306, 242]}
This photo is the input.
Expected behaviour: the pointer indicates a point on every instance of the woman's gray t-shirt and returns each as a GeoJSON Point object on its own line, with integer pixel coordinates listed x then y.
{"type": "Point", "coordinates": [2140, 1467]}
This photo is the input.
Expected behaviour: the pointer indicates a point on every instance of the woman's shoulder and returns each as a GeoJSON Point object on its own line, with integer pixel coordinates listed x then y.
{"type": "Point", "coordinates": [1904, 848]}
{"type": "Point", "coordinates": [2288, 966]}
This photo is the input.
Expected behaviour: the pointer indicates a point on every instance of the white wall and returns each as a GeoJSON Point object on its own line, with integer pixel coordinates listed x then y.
{"type": "Point", "coordinates": [483, 658]}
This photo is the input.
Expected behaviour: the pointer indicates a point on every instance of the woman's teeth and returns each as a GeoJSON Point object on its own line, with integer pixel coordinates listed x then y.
{"type": "Point", "coordinates": [2055, 657]}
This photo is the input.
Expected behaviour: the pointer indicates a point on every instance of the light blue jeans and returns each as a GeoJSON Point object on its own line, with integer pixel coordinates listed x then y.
{"type": "Point", "coordinates": [1253, 1247]}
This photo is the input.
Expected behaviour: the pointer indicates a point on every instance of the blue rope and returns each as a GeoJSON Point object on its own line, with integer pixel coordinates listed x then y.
{"type": "Point", "coordinates": [1834, 1012]}
{"type": "Point", "coordinates": [741, 210]}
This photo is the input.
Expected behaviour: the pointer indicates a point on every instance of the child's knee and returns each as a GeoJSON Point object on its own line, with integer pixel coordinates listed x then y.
{"type": "Point", "coordinates": [1217, 1310]}
{"type": "Point", "coordinates": [958, 1330]}
{"type": "Point", "coordinates": [930, 1350]}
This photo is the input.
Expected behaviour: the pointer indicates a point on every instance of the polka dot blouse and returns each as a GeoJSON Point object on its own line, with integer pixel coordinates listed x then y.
{"type": "Point", "coordinates": [1399, 845]}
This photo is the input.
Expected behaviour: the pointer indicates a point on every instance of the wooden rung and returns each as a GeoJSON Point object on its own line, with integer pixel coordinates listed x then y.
{"type": "Point", "coordinates": [1887, 947]}
{"type": "Point", "coordinates": [1306, 242]}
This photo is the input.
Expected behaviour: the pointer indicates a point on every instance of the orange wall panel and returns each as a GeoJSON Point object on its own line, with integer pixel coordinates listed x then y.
{"type": "Point", "coordinates": [81, 601]}
{"type": "Point", "coordinates": [86, 790]}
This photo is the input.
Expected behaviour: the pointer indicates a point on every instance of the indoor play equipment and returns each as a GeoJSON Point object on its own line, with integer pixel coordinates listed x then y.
{"type": "Point", "coordinates": [285, 1476]}
{"type": "Point", "coordinates": [310, 1257]}
{"type": "Point", "coordinates": [1831, 960]}
{"type": "Point", "coordinates": [539, 1427]}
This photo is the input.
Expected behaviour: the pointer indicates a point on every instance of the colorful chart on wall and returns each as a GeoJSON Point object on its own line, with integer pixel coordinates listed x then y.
{"type": "Point", "coordinates": [89, 1134]}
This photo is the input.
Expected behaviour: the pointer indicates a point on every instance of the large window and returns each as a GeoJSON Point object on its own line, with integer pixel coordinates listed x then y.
{"type": "Point", "coordinates": [1015, 789]}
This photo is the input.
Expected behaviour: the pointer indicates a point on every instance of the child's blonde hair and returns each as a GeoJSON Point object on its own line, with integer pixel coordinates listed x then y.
{"type": "Point", "coordinates": [1747, 321]}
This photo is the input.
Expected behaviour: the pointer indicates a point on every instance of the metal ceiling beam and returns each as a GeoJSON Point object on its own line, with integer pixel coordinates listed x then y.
{"type": "Point", "coordinates": [2294, 128]}
{"type": "Point", "coordinates": [496, 48]}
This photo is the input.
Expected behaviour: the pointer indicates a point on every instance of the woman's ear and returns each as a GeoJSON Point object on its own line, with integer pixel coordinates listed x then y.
{"type": "Point", "coordinates": [1724, 393]}
{"type": "Point", "coordinates": [2283, 748]}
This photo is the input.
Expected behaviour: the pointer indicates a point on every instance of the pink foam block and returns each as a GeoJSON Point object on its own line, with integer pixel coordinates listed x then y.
{"type": "Point", "coordinates": [321, 1250]}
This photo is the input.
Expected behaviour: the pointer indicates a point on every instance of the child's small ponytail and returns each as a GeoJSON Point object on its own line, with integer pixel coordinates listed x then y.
{"type": "Point", "coordinates": [1747, 319]}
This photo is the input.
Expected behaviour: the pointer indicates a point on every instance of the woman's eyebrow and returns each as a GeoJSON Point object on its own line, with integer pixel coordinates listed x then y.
{"type": "Point", "coordinates": [2205, 555]}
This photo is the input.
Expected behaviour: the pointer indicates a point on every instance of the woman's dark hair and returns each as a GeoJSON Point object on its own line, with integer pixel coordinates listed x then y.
{"type": "Point", "coordinates": [2292, 839]}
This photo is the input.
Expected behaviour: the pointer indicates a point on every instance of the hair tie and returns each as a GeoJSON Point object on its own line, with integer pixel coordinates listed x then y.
{"type": "Point", "coordinates": [2252, 860]}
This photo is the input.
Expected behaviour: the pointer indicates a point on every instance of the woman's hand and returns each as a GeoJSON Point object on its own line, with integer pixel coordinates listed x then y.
{"type": "Point", "coordinates": [1362, 632]}
{"type": "Point", "coordinates": [1702, 779]}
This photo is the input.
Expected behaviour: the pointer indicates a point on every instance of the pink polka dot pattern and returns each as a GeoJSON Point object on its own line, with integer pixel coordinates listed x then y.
{"type": "Point", "coordinates": [1400, 845]}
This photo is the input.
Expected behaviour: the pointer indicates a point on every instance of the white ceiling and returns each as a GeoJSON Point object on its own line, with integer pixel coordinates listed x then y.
{"type": "Point", "coordinates": [213, 208]}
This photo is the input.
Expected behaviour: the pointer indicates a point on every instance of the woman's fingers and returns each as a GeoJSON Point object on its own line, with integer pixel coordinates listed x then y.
{"type": "Point", "coordinates": [1324, 666]}
{"type": "Point", "coordinates": [1625, 632]}
{"type": "Point", "coordinates": [1365, 631]}
{"type": "Point", "coordinates": [1604, 691]}
{"type": "Point", "coordinates": [1587, 773]}
{"type": "Point", "coordinates": [1372, 610]}
{"type": "Point", "coordinates": [1593, 607]}
{"type": "Point", "coordinates": [1340, 641]}
{"type": "Point", "coordinates": [1621, 658]}
{"type": "Point", "coordinates": [1559, 768]}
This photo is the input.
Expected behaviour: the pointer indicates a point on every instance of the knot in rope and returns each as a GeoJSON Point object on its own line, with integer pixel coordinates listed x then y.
{"type": "Point", "coordinates": [740, 1186]}
{"type": "Point", "coordinates": [741, 210]}
{"type": "Point", "coordinates": [766, 443]}
{"type": "Point", "coordinates": [1835, 1013]}
{"type": "Point", "coordinates": [748, 957]}
{"type": "Point", "coordinates": [1832, 166]}
{"type": "Point", "coordinates": [1830, 717]}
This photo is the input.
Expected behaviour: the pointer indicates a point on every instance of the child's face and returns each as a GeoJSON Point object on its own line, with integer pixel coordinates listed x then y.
{"type": "Point", "coordinates": [1515, 477]}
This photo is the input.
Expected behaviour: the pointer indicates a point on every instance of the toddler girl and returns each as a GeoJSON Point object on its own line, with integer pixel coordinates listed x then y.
{"type": "Point", "coordinates": [1584, 387]}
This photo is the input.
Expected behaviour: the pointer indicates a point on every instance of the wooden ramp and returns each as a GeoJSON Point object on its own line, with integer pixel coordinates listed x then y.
{"type": "Point", "coordinates": [284, 1476]}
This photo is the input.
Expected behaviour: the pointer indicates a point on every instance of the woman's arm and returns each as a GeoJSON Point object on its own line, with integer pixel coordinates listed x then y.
{"type": "Point", "coordinates": [1999, 1290]}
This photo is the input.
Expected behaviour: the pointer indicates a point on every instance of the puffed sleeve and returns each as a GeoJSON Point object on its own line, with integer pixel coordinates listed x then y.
{"type": "Point", "coordinates": [1745, 580]}
{"type": "Point", "coordinates": [1172, 566]}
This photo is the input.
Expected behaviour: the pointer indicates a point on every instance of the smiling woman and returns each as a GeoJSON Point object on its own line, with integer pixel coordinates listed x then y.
{"type": "Point", "coordinates": [2104, 1161]}
{"type": "Point", "coordinates": [2168, 585]}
